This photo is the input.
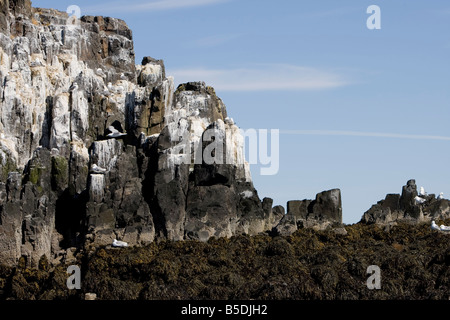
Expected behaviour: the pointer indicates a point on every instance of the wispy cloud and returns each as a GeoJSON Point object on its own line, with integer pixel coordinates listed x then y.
{"type": "Point", "coordinates": [215, 40]}
{"type": "Point", "coordinates": [364, 134]}
{"type": "Point", "coordinates": [140, 6]}
{"type": "Point", "coordinates": [263, 77]}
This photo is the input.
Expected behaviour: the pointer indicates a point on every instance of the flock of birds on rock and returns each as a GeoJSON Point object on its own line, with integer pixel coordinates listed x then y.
{"type": "Point", "coordinates": [114, 133]}
{"type": "Point", "coordinates": [95, 169]}
{"type": "Point", "coordinates": [434, 226]}
{"type": "Point", "coordinates": [421, 198]}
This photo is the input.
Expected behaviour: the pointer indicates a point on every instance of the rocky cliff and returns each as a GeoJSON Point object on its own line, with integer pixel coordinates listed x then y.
{"type": "Point", "coordinates": [94, 147]}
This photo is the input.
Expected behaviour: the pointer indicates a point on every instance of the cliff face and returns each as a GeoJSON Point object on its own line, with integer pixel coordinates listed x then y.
{"type": "Point", "coordinates": [66, 87]}
{"type": "Point", "coordinates": [95, 148]}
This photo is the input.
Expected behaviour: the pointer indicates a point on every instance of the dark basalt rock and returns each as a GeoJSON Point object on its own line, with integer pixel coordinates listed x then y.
{"type": "Point", "coordinates": [55, 204]}
{"type": "Point", "coordinates": [323, 212]}
{"type": "Point", "coordinates": [403, 208]}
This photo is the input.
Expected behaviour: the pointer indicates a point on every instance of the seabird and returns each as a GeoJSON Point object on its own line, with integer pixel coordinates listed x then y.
{"type": "Point", "coordinates": [434, 226]}
{"type": "Point", "coordinates": [419, 200]}
{"type": "Point", "coordinates": [422, 192]}
{"type": "Point", "coordinates": [106, 91]}
{"type": "Point", "coordinates": [123, 77]}
{"type": "Point", "coordinates": [100, 73]}
{"type": "Point", "coordinates": [119, 89]}
{"type": "Point", "coordinates": [115, 133]}
{"type": "Point", "coordinates": [229, 120]}
{"type": "Point", "coordinates": [117, 243]}
{"type": "Point", "coordinates": [36, 63]}
{"type": "Point", "coordinates": [440, 196]}
{"type": "Point", "coordinates": [196, 113]}
{"type": "Point", "coordinates": [444, 228]}
{"type": "Point", "coordinates": [96, 169]}
{"type": "Point", "coordinates": [73, 87]}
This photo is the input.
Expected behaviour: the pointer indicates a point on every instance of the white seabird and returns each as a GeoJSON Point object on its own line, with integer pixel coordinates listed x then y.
{"type": "Point", "coordinates": [444, 228]}
{"type": "Point", "coordinates": [96, 169]}
{"type": "Point", "coordinates": [73, 87]}
{"type": "Point", "coordinates": [229, 120]}
{"type": "Point", "coordinates": [419, 200]}
{"type": "Point", "coordinates": [110, 86]}
{"type": "Point", "coordinates": [422, 192]}
{"type": "Point", "coordinates": [123, 77]}
{"type": "Point", "coordinates": [440, 196]}
{"type": "Point", "coordinates": [196, 113]}
{"type": "Point", "coordinates": [106, 92]}
{"type": "Point", "coordinates": [119, 244]}
{"type": "Point", "coordinates": [115, 133]}
{"type": "Point", "coordinates": [36, 63]}
{"type": "Point", "coordinates": [434, 226]}
{"type": "Point", "coordinates": [100, 73]}
{"type": "Point", "coordinates": [120, 89]}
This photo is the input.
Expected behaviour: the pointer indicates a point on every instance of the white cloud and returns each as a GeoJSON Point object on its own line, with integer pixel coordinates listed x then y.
{"type": "Point", "coordinates": [364, 134]}
{"type": "Point", "coordinates": [159, 5]}
{"type": "Point", "coordinates": [263, 77]}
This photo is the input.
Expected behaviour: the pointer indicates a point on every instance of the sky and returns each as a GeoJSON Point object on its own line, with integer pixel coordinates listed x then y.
{"type": "Point", "coordinates": [363, 110]}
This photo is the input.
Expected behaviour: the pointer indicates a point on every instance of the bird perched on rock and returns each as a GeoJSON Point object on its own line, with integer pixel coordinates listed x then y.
{"type": "Point", "coordinates": [96, 169]}
{"type": "Point", "coordinates": [115, 133]}
{"type": "Point", "coordinates": [73, 87]}
{"type": "Point", "coordinates": [119, 244]}
{"type": "Point", "coordinates": [123, 77]}
{"type": "Point", "coordinates": [440, 196]}
{"type": "Point", "coordinates": [36, 63]}
{"type": "Point", "coordinates": [106, 92]}
{"type": "Point", "coordinates": [444, 228]}
{"type": "Point", "coordinates": [434, 226]}
{"type": "Point", "coordinates": [419, 200]}
{"type": "Point", "coordinates": [229, 121]}
{"type": "Point", "coordinates": [422, 192]}
{"type": "Point", "coordinates": [195, 113]}
{"type": "Point", "coordinates": [100, 73]}
{"type": "Point", "coordinates": [120, 89]}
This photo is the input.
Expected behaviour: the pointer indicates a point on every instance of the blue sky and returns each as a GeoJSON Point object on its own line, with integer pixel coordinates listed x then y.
{"type": "Point", "coordinates": [361, 110]}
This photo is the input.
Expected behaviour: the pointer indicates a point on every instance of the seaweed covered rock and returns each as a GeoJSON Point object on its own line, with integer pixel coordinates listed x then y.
{"type": "Point", "coordinates": [307, 265]}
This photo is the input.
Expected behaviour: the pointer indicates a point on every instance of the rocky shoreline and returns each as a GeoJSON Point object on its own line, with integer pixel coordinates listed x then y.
{"type": "Point", "coordinates": [94, 148]}
{"type": "Point", "coordinates": [308, 265]}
